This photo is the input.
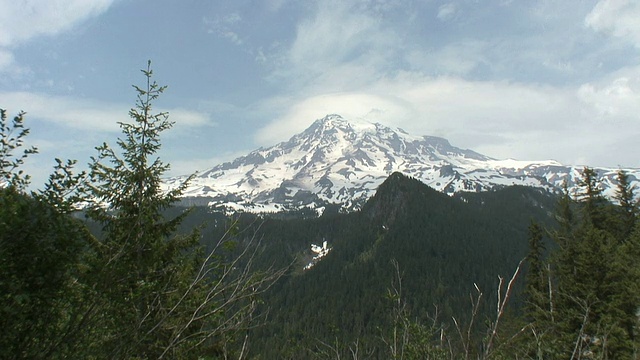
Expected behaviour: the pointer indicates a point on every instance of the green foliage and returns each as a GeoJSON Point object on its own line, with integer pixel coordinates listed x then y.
{"type": "Point", "coordinates": [627, 211]}
{"type": "Point", "coordinates": [40, 255]}
{"type": "Point", "coordinates": [407, 338]}
{"type": "Point", "coordinates": [155, 300]}
{"type": "Point", "coordinates": [64, 190]}
{"type": "Point", "coordinates": [11, 139]}
{"type": "Point", "coordinates": [39, 260]}
{"type": "Point", "coordinates": [537, 277]}
{"type": "Point", "coordinates": [144, 288]}
{"type": "Point", "coordinates": [589, 308]}
{"type": "Point", "coordinates": [591, 198]}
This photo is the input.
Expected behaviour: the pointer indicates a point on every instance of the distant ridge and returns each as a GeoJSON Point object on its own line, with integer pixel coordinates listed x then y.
{"type": "Point", "coordinates": [340, 161]}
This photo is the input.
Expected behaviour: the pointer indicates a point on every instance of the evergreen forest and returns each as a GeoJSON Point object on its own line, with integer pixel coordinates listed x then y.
{"type": "Point", "coordinates": [105, 264]}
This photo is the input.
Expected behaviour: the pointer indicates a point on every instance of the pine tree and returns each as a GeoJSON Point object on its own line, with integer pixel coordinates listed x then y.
{"type": "Point", "coordinates": [144, 272]}
{"type": "Point", "coordinates": [536, 288]}
{"type": "Point", "coordinates": [160, 296]}
{"type": "Point", "coordinates": [593, 202]}
{"type": "Point", "coordinates": [597, 276]}
{"type": "Point", "coordinates": [627, 206]}
{"type": "Point", "coordinates": [565, 216]}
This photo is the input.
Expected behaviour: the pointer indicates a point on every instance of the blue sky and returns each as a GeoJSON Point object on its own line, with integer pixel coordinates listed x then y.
{"type": "Point", "coordinates": [528, 79]}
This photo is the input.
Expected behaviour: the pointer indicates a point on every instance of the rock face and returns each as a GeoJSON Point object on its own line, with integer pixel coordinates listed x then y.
{"type": "Point", "coordinates": [337, 161]}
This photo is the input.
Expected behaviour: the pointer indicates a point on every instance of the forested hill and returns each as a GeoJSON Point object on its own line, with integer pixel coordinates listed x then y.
{"type": "Point", "coordinates": [442, 246]}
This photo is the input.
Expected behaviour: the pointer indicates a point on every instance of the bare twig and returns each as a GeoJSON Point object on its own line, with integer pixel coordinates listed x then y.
{"type": "Point", "coordinates": [475, 307]}
{"type": "Point", "coordinates": [235, 284]}
{"type": "Point", "coordinates": [501, 306]}
{"type": "Point", "coordinates": [329, 350]}
{"type": "Point", "coordinates": [550, 286]}
{"type": "Point", "coordinates": [585, 320]}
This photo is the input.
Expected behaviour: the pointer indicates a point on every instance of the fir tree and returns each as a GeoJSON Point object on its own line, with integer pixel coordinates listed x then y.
{"type": "Point", "coordinates": [160, 296]}
{"type": "Point", "coordinates": [143, 271]}
{"type": "Point", "coordinates": [597, 274]}
{"type": "Point", "coordinates": [593, 202]}
{"type": "Point", "coordinates": [536, 289]}
{"type": "Point", "coordinates": [627, 205]}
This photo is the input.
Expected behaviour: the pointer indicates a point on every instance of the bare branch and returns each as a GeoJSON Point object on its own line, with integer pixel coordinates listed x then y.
{"type": "Point", "coordinates": [501, 306]}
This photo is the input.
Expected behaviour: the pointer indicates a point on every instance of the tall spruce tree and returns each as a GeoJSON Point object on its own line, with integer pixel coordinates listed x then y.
{"type": "Point", "coordinates": [593, 202]}
{"type": "Point", "coordinates": [628, 206]}
{"type": "Point", "coordinates": [536, 289]}
{"type": "Point", "coordinates": [157, 292]}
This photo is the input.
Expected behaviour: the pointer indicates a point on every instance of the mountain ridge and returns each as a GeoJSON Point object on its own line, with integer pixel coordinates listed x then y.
{"type": "Point", "coordinates": [340, 161]}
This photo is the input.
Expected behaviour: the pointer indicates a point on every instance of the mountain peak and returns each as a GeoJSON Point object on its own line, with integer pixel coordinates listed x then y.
{"type": "Point", "coordinates": [398, 194]}
{"type": "Point", "coordinates": [343, 161]}
{"type": "Point", "coordinates": [335, 122]}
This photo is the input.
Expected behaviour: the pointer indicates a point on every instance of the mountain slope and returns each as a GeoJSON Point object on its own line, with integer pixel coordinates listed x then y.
{"type": "Point", "coordinates": [336, 161]}
{"type": "Point", "coordinates": [443, 245]}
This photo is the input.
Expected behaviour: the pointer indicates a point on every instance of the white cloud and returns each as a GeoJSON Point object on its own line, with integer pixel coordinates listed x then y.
{"type": "Point", "coordinates": [340, 38]}
{"type": "Point", "coordinates": [66, 111]}
{"type": "Point", "coordinates": [446, 11]}
{"type": "Point", "coordinates": [20, 21]}
{"type": "Point", "coordinates": [85, 114]}
{"type": "Point", "coordinates": [188, 117]}
{"type": "Point", "coordinates": [438, 106]}
{"type": "Point", "coordinates": [222, 27]}
{"type": "Point", "coordinates": [616, 98]}
{"type": "Point", "coordinates": [274, 5]}
{"type": "Point", "coordinates": [191, 165]}
{"type": "Point", "coordinates": [458, 58]}
{"type": "Point", "coordinates": [232, 18]}
{"type": "Point", "coordinates": [23, 20]}
{"type": "Point", "coordinates": [369, 106]}
{"type": "Point", "coordinates": [6, 59]}
{"type": "Point", "coordinates": [485, 106]}
{"type": "Point", "coordinates": [352, 63]}
{"type": "Point", "coordinates": [619, 18]}
{"type": "Point", "coordinates": [333, 34]}
{"type": "Point", "coordinates": [68, 127]}
{"type": "Point", "coordinates": [498, 118]}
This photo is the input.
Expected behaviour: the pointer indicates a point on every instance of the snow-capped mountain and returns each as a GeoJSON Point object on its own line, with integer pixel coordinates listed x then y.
{"type": "Point", "coordinates": [339, 161]}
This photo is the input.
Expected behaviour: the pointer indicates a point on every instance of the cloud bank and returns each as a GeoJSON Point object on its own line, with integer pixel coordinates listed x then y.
{"type": "Point", "coordinates": [352, 63]}
{"type": "Point", "coordinates": [21, 21]}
